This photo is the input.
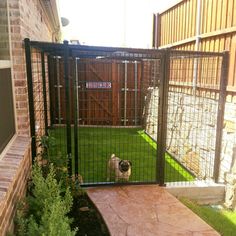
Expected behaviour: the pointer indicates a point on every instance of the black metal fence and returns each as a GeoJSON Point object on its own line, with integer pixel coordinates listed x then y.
{"type": "Point", "coordinates": [128, 116]}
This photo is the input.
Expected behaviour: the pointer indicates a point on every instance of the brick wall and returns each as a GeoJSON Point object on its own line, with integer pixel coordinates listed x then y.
{"type": "Point", "coordinates": [14, 171]}
{"type": "Point", "coordinates": [28, 19]}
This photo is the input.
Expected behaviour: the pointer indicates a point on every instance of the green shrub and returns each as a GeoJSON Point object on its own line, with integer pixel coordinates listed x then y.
{"type": "Point", "coordinates": [46, 209]}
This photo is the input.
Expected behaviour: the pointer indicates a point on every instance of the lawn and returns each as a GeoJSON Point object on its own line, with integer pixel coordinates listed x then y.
{"type": "Point", "coordinates": [223, 221]}
{"type": "Point", "coordinates": [96, 145]}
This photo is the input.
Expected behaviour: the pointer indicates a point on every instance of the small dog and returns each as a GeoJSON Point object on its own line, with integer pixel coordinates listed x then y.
{"type": "Point", "coordinates": [120, 168]}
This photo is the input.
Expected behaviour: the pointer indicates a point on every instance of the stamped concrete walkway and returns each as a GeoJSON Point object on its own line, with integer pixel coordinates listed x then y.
{"type": "Point", "coordinates": [146, 211]}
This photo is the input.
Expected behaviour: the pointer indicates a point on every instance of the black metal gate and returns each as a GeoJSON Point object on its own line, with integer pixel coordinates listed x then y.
{"type": "Point", "coordinates": [128, 116]}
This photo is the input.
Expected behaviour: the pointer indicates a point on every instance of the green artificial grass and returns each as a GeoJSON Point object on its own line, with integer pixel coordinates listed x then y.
{"type": "Point", "coordinates": [97, 144]}
{"type": "Point", "coordinates": [223, 221]}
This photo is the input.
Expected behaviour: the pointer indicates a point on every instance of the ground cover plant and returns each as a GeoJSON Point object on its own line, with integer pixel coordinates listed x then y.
{"type": "Point", "coordinates": [96, 144]}
{"type": "Point", "coordinates": [222, 220]}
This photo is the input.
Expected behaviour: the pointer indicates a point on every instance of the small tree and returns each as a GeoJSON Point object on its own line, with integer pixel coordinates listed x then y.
{"type": "Point", "coordinates": [48, 206]}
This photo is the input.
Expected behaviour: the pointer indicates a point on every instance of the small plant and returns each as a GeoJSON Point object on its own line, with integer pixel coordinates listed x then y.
{"type": "Point", "coordinates": [48, 155]}
{"type": "Point", "coordinates": [45, 211]}
{"type": "Point", "coordinates": [44, 144]}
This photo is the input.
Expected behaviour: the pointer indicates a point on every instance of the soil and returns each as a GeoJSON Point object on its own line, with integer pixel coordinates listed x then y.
{"type": "Point", "coordinates": [87, 218]}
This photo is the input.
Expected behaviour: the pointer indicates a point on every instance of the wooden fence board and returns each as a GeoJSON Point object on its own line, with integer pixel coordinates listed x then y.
{"type": "Point", "coordinates": [101, 93]}
{"type": "Point", "coordinates": [217, 29]}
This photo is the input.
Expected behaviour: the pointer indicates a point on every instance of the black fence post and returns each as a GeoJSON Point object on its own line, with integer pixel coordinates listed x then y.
{"type": "Point", "coordinates": [50, 87]}
{"type": "Point", "coordinates": [220, 114]}
{"type": "Point", "coordinates": [68, 115]}
{"type": "Point", "coordinates": [162, 118]}
{"type": "Point", "coordinates": [56, 69]}
{"type": "Point", "coordinates": [76, 117]}
{"type": "Point", "coordinates": [45, 108]}
{"type": "Point", "coordinates": [30, 96]}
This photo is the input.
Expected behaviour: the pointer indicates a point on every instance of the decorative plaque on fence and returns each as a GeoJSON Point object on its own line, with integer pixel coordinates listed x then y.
{"type": "Point", "coordinates": [98, 85]}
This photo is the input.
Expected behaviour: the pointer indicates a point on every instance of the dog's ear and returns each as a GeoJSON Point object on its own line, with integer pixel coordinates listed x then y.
{"type": "Point", "coordinates": [120, 162]}
{"type": "Point", "coordinates": [130, 163]}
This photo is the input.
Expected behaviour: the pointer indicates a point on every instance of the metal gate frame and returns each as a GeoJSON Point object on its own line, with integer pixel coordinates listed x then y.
{"type": "Point", "coordinates": [67, 51]}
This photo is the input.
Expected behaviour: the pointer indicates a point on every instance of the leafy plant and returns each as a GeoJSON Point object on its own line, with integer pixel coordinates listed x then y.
{"type": "Point", "coordinates": [47, 207]}
{"type": "Point", "coordinates": [47, 155]}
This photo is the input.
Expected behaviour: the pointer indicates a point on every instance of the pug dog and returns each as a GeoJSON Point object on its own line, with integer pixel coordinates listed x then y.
{"type": "Point", "coordinates": [121, 169]}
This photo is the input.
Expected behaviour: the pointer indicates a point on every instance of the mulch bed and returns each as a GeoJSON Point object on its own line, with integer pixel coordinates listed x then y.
{"type": "Point", "coordinates": [87, 218]}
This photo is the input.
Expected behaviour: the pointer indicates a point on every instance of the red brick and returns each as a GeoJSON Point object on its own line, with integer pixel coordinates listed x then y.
{"type": "Point", "coordinates": [14, 183]}
{"type": "Point", "coordinates": [19, 83]}
{"type": "Point", "coordinates": [25, 20]}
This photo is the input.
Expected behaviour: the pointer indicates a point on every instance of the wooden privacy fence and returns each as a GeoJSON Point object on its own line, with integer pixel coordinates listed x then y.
{"type": "Point", "coordinates": [200, 25]}
{"type": "Point", "coordinates": [109, 92]}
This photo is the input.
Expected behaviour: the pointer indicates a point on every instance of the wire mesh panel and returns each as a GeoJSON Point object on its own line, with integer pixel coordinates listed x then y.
{"type": "Point", "coordinates": [129, 115]}
{"type": "Point", "coordinates": [111, 95]}
{"type": "Point", "coordinates": [194, 93]}
{"type": "Point", "coordinates": [193, 101]}
{"type": "Point", "coordinates": [40, 91]}
{"type": "Point", "coordinates": [58, 133]}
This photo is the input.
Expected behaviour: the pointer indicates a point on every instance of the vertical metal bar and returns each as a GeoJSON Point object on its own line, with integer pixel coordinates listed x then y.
{"type": "Point", "coordinates": [162, 118]}
{"type": "Point", "coordinates": [58, 90]}
{"type": "Point", "coordinates": [55, 89]}
{"type": "Point", "coordinates": [114, 93]}
{"type": "Point", "coordinates": [76, 110]}
{"type": "Point", "coordinates": [50, 83]}
{"type": "Point", "coordinates": [135, 91]}
{"type": "Point", "coordinates": [67, 96]}
{"type": "Point", "coordinates": [44, 94]}
{"type": "Point", "coordinates": [30, 96]}
{"type": "Point", "coordinates": [125, 95]}
{"type": "Point", "coordinates": [220, 115]}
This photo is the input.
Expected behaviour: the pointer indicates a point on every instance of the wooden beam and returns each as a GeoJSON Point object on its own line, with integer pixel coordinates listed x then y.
{"type": "Point", "coordinates": [219, 32]}
{"type": "Point", "coordinates": [115, 94]}
{"type": "Point", "coordinates": [154, 27]}
{"type": "Point", "coordinates": [181, 42]}
{"type": "Point", "coordinates": [158, 31]}
{"type": "Point", "coordinates": [100, 104]}
{"type": "Point", "coordinates": [169, 8]}
{"type": "Point", "coordinates": [202, 36]}
{"type": "Point", "coordinates": [95, 72]}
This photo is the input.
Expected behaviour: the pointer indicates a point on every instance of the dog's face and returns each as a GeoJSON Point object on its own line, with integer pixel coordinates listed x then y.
{"type": "Point", "coordinates": [124, 165]}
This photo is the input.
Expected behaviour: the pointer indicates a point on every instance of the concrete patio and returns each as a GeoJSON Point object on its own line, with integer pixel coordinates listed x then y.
{"type": "Point", "coordinates": [146, 210]}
